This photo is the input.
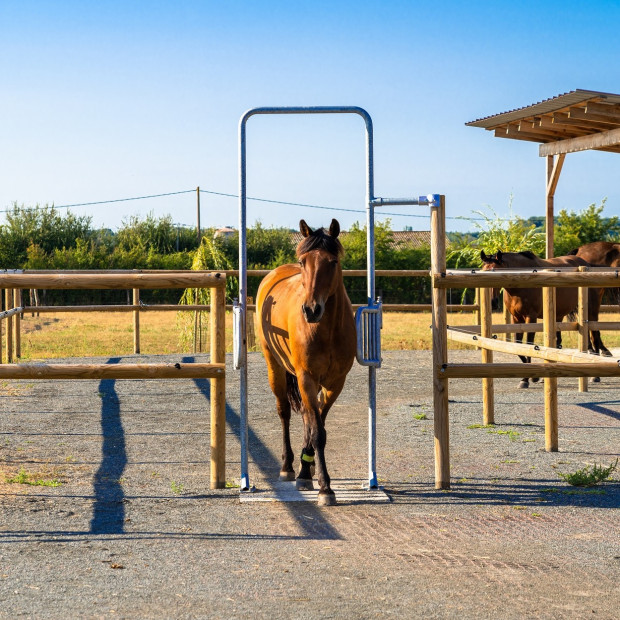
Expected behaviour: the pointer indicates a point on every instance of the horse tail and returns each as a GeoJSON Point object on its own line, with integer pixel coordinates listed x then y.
{"type": "Point", "coordinates": [292, 392]}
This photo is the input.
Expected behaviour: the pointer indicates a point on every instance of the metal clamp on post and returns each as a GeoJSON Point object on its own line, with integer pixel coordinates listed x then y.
{"type": "Point", "coordinates": [368, 324]}
{"type": "Point", "coordinates": [238, 334]}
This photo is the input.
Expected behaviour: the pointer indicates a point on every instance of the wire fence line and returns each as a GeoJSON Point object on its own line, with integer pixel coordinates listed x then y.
{"type": "Point", "coordinates": [229, 195]}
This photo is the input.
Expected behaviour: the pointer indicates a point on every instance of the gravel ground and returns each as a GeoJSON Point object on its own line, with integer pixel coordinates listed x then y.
{"type": "Point", "coordinates": [134, 531]}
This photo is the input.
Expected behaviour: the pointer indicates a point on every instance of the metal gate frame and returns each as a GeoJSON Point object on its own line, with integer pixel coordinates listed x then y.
{"type": "Point", "coordinates": [368, 318]}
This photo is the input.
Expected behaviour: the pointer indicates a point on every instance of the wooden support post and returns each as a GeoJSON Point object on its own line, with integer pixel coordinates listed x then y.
{"type": "Point", "coordinates": [477, 303]}
{"type": "Point", "coordinates": [218, 390]}
{"type": "Point", "coordinates": [488, 396]}
{"type": "Point", "coordinates": [582, 334]}
{"type": "Point", "coordinates": [440, 348]}
{"type": "Point", "coordinates": [551, 383]}
{"type": "Point", "coordinates": [9, 325]}
{"type": "Point", "coordinates": [554, 167]}
{"type": "Point", "coordinates": [136, 321]}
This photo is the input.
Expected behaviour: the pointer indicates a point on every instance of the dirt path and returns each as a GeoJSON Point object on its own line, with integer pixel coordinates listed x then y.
{"type": "Point", "coordinates": [134, 531]}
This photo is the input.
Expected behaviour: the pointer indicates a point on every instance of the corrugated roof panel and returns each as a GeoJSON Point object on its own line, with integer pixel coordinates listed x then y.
{"type": "Point", "coordinates": [546, 106]}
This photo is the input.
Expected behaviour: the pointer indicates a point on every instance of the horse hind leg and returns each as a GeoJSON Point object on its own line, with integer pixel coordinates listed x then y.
{"type": "Point", "coordinates": [525, 382]}
{"type": "Point", "coordinates": [279, 383]}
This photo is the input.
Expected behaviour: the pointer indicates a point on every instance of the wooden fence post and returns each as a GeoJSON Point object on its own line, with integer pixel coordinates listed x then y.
{"type": "Point", "coordinates": [8, 295]}
{"type": "Point", "coordinates": [218, 389]}
{"type": "Point", "coordinates": [551, 383]}
{"type": "Point", "coordinates": [136, 321]}
{"type": "Point", "coordinates": [440, 348]}
{"type": "Point", "coordinates": [18, 324]}
{"type": "Point", "coordinates": [488, 397]}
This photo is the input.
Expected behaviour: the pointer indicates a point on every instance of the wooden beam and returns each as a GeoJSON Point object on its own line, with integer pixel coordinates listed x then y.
{"type": "Point", "coordinates": [518, 370]}
{"type": "Point", "coordinates": [603, 109]}
{"type": "Point", "coordinates": [112, 371]}
{"type": "Point", "coordinates": [505, 278]}
{"type": "Point", "coordinates": [598, 119]}
{"type": "Point", "coordinates": [583, 143]}
{"type": "Point", "coordinates": [554, 176]}
{"type": "Point", "coordinates": [107, 281]}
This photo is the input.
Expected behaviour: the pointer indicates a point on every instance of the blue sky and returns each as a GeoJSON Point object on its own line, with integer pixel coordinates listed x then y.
{"type": "Point", "coordinates": [110, 100]}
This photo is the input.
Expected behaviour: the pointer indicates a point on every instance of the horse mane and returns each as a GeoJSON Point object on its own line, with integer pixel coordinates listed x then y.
{"type": "Point", "coordinates": [320, 240]}
{"type": "Point", "coordinates": [528, 254]}
{"type": "Point", "coordinates": [573, 252]}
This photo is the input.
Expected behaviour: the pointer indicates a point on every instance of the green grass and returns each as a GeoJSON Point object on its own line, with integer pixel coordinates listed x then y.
{"type": "Point", "coordinates": [177, 487]}
{"type": "Point", "coordinates": [24, 477]}
{"type": "Point", "coordinates": [589, 476]}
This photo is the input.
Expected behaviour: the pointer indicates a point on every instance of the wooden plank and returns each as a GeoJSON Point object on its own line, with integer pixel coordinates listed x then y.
{"type": "Point", "coordinates": [598, 120]}
{"type": "Point", "coordinates": [537, 352]}
{"type": "Point", "coordinates": [106, 281]}
{"type": "Point", "coordinates": [583, 143]}
{"type": "Point", "coordinates": [112, 371]}
{"type": "Point", "coordinates": [611, 110]}
{"type": "Point", "coordinates": [564, 279]}
{"type": "Point", "coordinates": [519, 370]}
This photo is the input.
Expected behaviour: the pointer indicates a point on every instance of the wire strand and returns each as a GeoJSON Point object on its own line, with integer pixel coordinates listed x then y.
{"type": "Point", "coordinates": [226, 195]}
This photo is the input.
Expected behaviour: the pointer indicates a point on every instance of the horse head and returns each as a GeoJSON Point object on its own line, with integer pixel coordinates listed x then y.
{"type": "Point", "coordinates": [491, 262]}
{"type": "Point", "coordinates": [321, 273]}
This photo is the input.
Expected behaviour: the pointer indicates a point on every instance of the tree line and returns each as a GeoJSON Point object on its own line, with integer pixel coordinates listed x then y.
{"type": "Point", "coordinates": [44, 238]}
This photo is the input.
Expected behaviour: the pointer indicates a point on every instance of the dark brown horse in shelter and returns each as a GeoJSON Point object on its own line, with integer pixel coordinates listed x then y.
{"type": "Point", "coordinates": [307, 333]}
{"type": "Point", "coordinates": [525, 304]}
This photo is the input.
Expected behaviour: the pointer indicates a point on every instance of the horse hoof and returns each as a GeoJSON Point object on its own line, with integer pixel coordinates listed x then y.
{"type": "Point", "coordinates": [303, 484]}
{"type": "Point", "coordinates": [596, 379]}
{"type": "Point", "coordinates": [606, 353]}
{"type": "Point", "coordinates": [327, 499]}
{"type": "Point", "coordinates": [535, 379]}
{"type": "Point", "coordinates": [287, 476]}
{"type": "Point", "coordinates": [524, 384]}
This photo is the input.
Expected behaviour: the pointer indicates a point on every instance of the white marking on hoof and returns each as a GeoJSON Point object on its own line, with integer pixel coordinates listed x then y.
{"type": "Point", "coordinates": [326, 499]}
{"type": "Point", "coordinates": [303, 484]}
{"type": "Point", "coordinates": [287, 475]}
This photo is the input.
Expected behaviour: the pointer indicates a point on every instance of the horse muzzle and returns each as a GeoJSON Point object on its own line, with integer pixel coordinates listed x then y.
{"type": "Point", "coordinates": [313, 314]}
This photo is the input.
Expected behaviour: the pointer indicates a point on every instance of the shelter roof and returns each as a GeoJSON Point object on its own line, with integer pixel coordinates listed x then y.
{"type": "Point", "coordinates": [578, 120]}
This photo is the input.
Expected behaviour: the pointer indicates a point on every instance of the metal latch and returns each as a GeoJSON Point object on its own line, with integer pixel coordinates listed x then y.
{"type": "Point", "coordinates": [238, 334]}
{"type": "Point", "coordinates": [368, 324]}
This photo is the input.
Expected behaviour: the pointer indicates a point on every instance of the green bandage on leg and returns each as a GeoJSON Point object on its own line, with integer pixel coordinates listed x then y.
{"type": "Point", "coordinates": [307, 458]}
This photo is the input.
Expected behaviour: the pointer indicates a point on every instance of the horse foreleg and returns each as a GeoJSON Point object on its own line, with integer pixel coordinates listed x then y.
{"type": "Point", "coordinates": [316, 436]}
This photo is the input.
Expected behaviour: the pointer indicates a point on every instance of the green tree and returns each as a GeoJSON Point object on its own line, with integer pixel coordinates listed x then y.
{"type": "Point", "coordinates": [41, 226]}
{"type": "Point", "coordinates": [575, 229]}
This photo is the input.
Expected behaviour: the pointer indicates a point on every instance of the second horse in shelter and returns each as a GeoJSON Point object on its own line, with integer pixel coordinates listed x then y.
{"type": "Point", "coordinates": [307, 333]}
{"type": "Point", "coordinates": [525, 304]}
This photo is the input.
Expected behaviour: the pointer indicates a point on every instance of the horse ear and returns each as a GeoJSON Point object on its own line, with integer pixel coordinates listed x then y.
{"type": "Point", "coordinates": [334, 229]}
{"type": "Point", "coordinates": [483, 256]}
{"type": "Point", "coordinates": [304, 229]}
{"type": "Point", "coordinates": [499, 256]}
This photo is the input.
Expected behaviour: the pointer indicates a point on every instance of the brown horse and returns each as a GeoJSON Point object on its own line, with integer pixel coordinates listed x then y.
{"type": "Point", "coordinates": [601, 253]}
{"type": "Point", "coordinates": [525, 304]}
{"type": "Point", "coordinates": [307, 334]}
